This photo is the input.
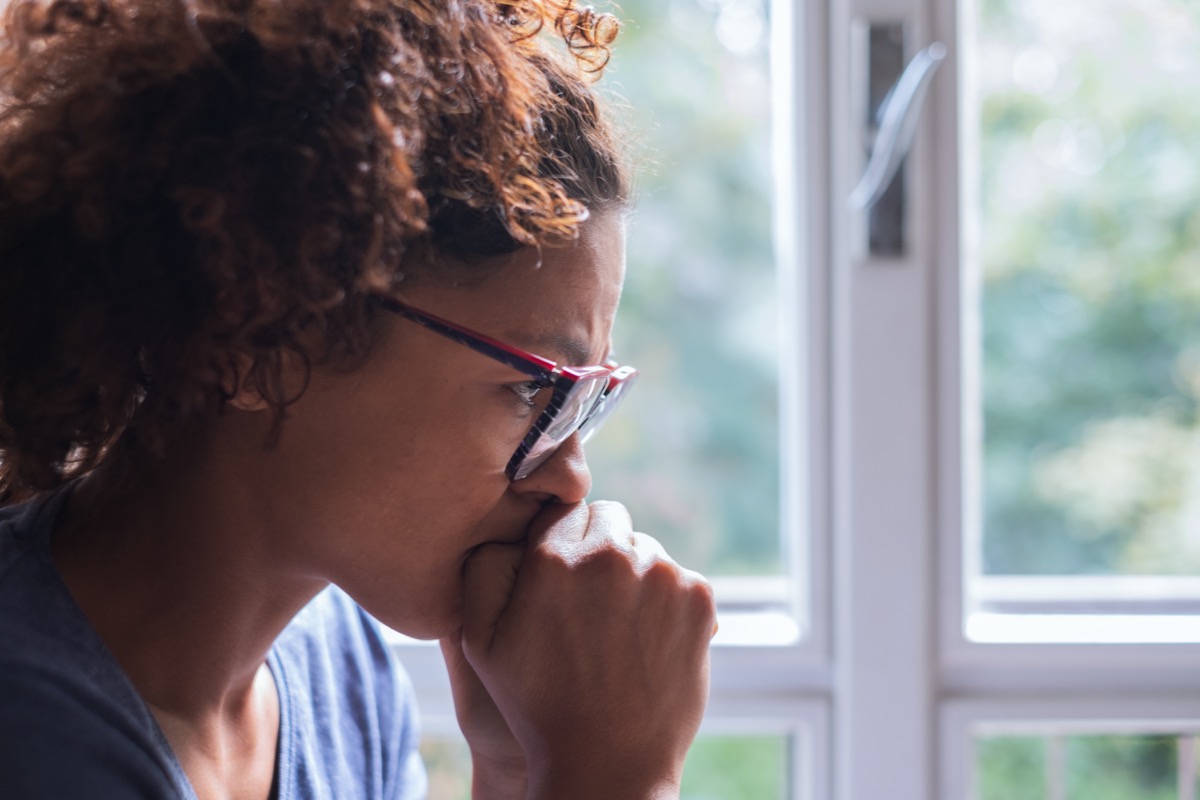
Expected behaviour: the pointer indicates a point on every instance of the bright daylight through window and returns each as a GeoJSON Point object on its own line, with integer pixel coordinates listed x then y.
{"type": "Point", "coordinates": [1082, 230]}
{"type": "Point", "coordinates": [1098, 766]}
{"type": "Point", "coordinates": [1088, 241]}
{"type": "Point", "coordinates": [695, 453]}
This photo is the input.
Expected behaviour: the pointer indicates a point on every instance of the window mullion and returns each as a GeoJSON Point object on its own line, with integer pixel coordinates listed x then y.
{"type": "Point", "coordinates": [884, 447]}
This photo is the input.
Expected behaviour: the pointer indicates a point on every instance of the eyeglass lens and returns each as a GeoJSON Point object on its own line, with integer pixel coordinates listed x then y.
{"type": "Point", "coordinates": [603, 410]}
{"type": "Point", "coordinates": [584, 408]}
{"type": "Point", "coordinates": [577, 404]}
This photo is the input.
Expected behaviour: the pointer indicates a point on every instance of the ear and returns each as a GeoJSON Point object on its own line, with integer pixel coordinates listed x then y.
{"type": "Point", "coordinates": [248, 400]}
{"type": "Point", "coordinates": [239, 386]}
{"type": "Point", "coordinates": [242, 387]}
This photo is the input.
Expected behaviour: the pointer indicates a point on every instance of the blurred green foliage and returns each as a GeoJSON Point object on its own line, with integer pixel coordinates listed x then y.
{"type": "Point", "coordinates": [1010, 768]}
{"type": "Point", "coordinates": [694, 453]}
{"type": "Point", "coordinates": [1089, 214]}
{"type": "Point", "coordinates": [717, 768]}
{"type": "Point", "coordinates": [737, 768]}
{"type": "Point", "coordinates": [1110, 767]}
{"type": "Point", "coordinates": [1122, 767]}
{"type": "Point", "coordinates": [448, 765]}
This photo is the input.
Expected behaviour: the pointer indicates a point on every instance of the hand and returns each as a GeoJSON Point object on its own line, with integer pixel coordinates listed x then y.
{"type": "Point", "coordinates": [497, 761]}
{"type": "Point", "coordinates": [595, 652]}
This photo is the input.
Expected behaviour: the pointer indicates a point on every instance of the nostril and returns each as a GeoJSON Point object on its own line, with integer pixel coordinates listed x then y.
{"type": "Point", "coordinates": [564, 477]}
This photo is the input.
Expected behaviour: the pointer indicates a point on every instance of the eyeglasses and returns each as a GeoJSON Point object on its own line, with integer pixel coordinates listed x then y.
{"type": "Point", "coordinates": [581, 400]}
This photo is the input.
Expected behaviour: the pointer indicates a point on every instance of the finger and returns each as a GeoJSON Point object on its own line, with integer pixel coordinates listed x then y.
{"type": "Point", "coordinates": [560, 522]}
{"type": "Point", "coordinates": [472, 702]}
{"type": "Point", "coordinates": [452, 652]}
{"type": "Point", "coordinates": [462, 676]}
{"type": "Point", "coordinates": [648, 549]}
{"type": "Point", "coordinates": [488, 579]}
{"type": "Point", "coordinates": [609, 521]}
{"type": "Point", "coordinates": [451, 642]}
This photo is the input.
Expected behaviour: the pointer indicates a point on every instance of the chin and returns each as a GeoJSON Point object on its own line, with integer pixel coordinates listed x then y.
{"type": "Point", "coordinates": [426, 624]}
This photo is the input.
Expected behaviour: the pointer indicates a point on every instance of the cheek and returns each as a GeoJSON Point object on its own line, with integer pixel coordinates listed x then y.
{"type": "Point", "coordinates": [468, 443]}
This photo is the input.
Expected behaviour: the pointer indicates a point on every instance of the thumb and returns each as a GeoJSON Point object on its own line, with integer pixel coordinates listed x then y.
{"type": "Point", "coordinates": [488, 579]}
{"type": "Point", "coordinates": [465, 685]}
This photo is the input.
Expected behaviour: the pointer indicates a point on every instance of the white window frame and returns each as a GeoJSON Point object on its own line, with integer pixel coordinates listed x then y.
{"type": "Point", "coordinates": [1113, 681]}
{"type": "Point", "coordinates": [1047, 685]}
{"type": "Point", "coordinates": [910, 688]}
{"type": "Point", "coordinates": [962, 720]}
{"type": "Point", "coordinates": [883, 693]}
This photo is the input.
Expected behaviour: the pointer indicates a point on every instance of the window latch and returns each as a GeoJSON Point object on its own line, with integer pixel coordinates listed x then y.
{"type": "Point", "coordinates": [894, 107]}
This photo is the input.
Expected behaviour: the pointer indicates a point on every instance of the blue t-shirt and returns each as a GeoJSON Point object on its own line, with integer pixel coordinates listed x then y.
{"type": "Point", "coordinates": [72, 727]}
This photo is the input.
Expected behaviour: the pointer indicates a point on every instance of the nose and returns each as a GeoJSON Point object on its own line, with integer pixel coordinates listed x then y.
{"type": "Point", "coordinates": [564, 474]}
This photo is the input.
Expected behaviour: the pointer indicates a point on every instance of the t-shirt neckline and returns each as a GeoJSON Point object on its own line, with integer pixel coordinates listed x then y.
{"type": "Point", "coordinates": [45, 514]}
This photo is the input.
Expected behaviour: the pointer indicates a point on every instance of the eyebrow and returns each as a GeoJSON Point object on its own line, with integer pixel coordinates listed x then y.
{"type": "Point", "coordinates": [576, 351]}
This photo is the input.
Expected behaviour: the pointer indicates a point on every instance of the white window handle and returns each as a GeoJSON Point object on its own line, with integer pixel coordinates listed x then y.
{"type": "Point", "coordinates": [898, 114]}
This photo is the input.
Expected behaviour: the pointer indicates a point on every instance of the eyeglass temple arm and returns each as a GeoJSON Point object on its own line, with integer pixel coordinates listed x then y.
{"type": "Point", "coordinates": [530, 364]}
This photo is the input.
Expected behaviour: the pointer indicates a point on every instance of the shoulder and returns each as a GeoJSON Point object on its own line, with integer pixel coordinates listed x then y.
{"type": "Point", "coordinates": [70, 725]}
{"type": "Point", "coordinates": [343, 691]}
{"type": "Point", "coordinates": [18, 529]}
{"type": "Point", "coordinates": [334, 626]}
{"type": "Point", "coordinates": [27, 572]}
{"type": "Point", "coordinates": [341, 651]}
{"type": "Point", "coordinates": [63, 738]}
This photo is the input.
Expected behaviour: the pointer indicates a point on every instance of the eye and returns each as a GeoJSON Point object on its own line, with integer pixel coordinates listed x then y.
{"type": "Point", "coordinates": [527, 391]}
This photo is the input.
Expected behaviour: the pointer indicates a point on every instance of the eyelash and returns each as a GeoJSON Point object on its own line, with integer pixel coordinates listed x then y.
{"type": "Point", "coordinates": [527, 391]}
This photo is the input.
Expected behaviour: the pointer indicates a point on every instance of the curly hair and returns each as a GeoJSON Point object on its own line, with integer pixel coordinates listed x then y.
{"type": "Point", "coordinates": [194, 191]}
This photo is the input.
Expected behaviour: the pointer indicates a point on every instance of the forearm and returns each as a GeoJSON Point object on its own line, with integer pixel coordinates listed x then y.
{"type": "Point", "coordinates": [613, 780]}
{"type": "Point", "coordinates": [492, 781]}
{"type": "Point", "coordinates": [614, 790]}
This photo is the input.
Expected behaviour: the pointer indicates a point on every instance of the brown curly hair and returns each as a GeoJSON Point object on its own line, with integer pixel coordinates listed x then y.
{"type": "Point", "coordinates": [194, 191]}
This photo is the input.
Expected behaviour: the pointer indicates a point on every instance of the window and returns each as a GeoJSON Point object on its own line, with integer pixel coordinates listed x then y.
{"type": "Point", "coordinates": [947, 483]}
{"type": "Point", "coordinates": [1069, 654]}
{"type": "Point", "coordinates": [1083, 206]}
{"type": "Point", "coordinates": [696, 458]}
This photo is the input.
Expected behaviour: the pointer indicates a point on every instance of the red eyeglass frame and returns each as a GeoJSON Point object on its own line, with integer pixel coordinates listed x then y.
{"type": "Point", "coordinates": [566, 382]}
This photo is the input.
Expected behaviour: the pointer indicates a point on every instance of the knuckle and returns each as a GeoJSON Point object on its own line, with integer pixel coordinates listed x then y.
{"type": "Point", "coordinates": [604, 560]}
{"type": "Point", "coordinates": [702, 598]}
{"type": "Point", "coordinates": [608, 507]}
{"type": "Point", "coordinates": [663, 574]}
{"type": "Point", "coordinates": [546, 558]}
{"type": "Point", "coordinates": [610, 516]}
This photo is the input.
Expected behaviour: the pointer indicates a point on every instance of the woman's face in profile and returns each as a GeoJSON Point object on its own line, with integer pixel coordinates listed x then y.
{"type": "Point", "coordinates": [387, 478]}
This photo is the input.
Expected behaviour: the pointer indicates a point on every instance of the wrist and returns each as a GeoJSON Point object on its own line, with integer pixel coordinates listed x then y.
{"type": "Point", "coordinates": [576, 792]}
{"type": "Point", "coordinates": [498, 779]}
{"type": "Point", "coordinates": [615, 782]}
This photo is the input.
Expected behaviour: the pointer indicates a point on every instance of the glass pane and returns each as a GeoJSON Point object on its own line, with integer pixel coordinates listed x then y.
{"type": "Point", "coordinates": [718, 768]}
{"type": "Point", "coordinates": [448, 764]}
{"type": "Point", "coordinates": [1082, 767]}
{"type": "Point", "coordinates": [1010, 768]}
{"type": "Point", "coordinates": [737, 768]}
{"type": "Point", "coordinates": [1119, 767]}
{"type": "Point", "coordinates": [1089, 226]}
{"type": "Point", "coordinates": [694, 451]}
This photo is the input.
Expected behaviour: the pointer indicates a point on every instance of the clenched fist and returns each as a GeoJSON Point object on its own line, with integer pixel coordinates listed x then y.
{"type": "Point", "coordinates": [588, 646]}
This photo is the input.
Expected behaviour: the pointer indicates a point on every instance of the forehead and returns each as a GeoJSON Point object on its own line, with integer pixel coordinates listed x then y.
{"type": "Point", "coordinates": [559, 302]}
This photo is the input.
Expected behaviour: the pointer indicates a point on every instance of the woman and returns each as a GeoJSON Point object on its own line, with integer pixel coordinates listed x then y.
{"type": "Point", "coordinates": [305, 310]}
